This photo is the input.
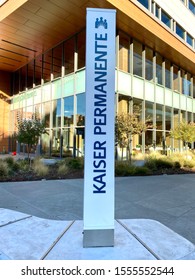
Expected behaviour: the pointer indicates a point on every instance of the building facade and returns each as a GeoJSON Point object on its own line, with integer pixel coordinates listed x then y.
{"type": "Point", "coordinates": [155, 68]}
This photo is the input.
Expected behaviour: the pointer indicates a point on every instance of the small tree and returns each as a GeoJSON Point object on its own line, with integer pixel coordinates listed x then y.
{"type": "Point", "coordinates": [127, 125]}
{"type": "Point", "coordinates": [184, 132]}
{"type": "Point", "coordinates": [29, 130]}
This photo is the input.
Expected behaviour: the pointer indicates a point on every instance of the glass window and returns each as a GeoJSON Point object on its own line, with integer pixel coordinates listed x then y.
{"type": "Point", "coordinates": [183, 116]}
{"type": "Point", "coordinates": [16, 82]}
{"type": "Point", "coordinates": [149, 64]}
{"type": "Point", "coordinates": [175, 78]}
{"type": "Point", "coordinates": [192, 6]}
{"type": "Point", "coordinates": [45, 143]}
{"type": "Point", "coordinates": [165, 19]}
{"type": "Point", "coordinates": [55, 143]}
{"type": "Point", "coordinates": [37, 110]}
{"type": "Point", "coordinates": [46, 113]}
{"type": "Point", "coordinates": [149, 133]}
{"type": "Point", "coordinates": [189, 40]}
{"type": "Point", "coordinates": [167, 118]}
{"type": "Point", "coordinates": [157, 13]}
{"type": "Point", "coordinates": [57, 61]}
{"type": "Point", "coordinates": [185, 83]}
{"type": "Point", "coordinates": [81, 49]}
{"type": "Point", "coordinates": [167, 73]}
{"type": "Point", "coordinates": [194, 88]}
{"type": "Point", "coordinates": [30, 78]}
{"type": "Point", "coordinates": [137, 139]}
{"type": "Point", "coordinates": [68, 110]}
{"type": "Point", "coordinates": [38, 70]}
{"type": "Point", "coordinates": [47, 66]}
{"type": "Point", "coordinates": [67, 137]}
{"type": "Point", "coordinates": [159, 72]}
{"type": "Point", "coordinates": [81, 109]}
{"type": "Point", "coordinates": [29, 112]}
{"type": "Point", "coordinates": [124, 104]}
{"type": "Point", "coordinates": [180, 31]}
{"type": "Point", "coordinates": [69, 47]}
{"type": "Point", "coordinates": [189, 116]}
{"type": "Point", "coordinates": [176, 117]}
{"type": "Point", "coordinates": [124, 52]}
{"type": "Point", "coordinates": [144, 3]}
{"type": "Point", "coordinates": [159, 117]}
{"type": "Point", "coordinates": [23, 78]}
{"type": "Point", "coordinates": [159, 140]}
{"type": "Point", "coordinates": [137, 58]}
{"type": "Point", "coordinates": [57, 113]}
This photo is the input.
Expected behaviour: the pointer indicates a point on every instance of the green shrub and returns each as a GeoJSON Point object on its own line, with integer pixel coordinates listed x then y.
{"type": "Point", "coordinates": [189, 163]}
{"type": "Point", "coordinates": [176, 165]}
{"type": "Point", "coordinates": [163, 163]}
{"type": "Point", "coordinates": [23, 164]}
{"type": "Point", "coordinates": [150, 164]}
{"type": "Point", "coordinates": [12, 164]}
{"type": "Point", "coordinates": [10, 161]}
{"type": "Point", "coordinates": [4, 169]}
{"type": "Point", "coordinates": [177, 157]}
{"type": "Point", "coordinates": [158, 163]}
{"type": "Point", "coordinates": [39, 168]}
{"type": "Point", "coordinates": [124, 168]}
{"type": "Point", "coordinates": [73, 163]}
{"type": "Point", "coordinates": [142, 170]}
{"type": "Point", "coordinates": [63, 169]}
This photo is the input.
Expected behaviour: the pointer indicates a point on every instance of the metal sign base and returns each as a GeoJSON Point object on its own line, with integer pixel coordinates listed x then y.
{"type": "Point", "coordinates": [98, 238]}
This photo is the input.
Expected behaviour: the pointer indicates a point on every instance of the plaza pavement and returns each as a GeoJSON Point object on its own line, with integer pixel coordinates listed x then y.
{"type": "Point", "coordinates": [155, 219]}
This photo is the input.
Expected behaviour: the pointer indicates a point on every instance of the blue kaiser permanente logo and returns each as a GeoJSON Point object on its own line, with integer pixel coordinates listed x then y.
{"type": "Point", "coordinates": [101, 22]}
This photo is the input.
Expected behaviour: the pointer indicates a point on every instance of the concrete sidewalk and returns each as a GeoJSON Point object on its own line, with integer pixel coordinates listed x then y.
{"type": "Point", "coordinates": [163, 205]}
{"type": "Point", "coordinates": [25, 237]}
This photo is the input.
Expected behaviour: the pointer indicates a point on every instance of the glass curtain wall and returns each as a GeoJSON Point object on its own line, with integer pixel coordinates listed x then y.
{"type": "Point", "coordinates": [63, 109]}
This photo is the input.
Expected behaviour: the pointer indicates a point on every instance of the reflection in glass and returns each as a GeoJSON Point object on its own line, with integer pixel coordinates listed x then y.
{"type": "Point", "coordinates": [55, 143]}
{"type": "Point", "coordinates": [124, 52]}
{"type": "Point", "coordinates": [167, 73]}
{"type": "Point", "coordinates": [67, 140]}
{"type": "Point", "coordinates": [167, 118]}
{"type": "Point", "coordinates": [81, 109]}
{"type": "Point", "coordinates": [57, 113]}
{"type": "Point", "coordinates": [46, 113]}
{"type": "Point", "coordinates": [137, 58]}
{"type": "Point", "coordinates": [149, 64]}
{"type": "Point", "coordinates": [45, 143]}
{"type": "Point", "coordinates": [68, 110]}
{"type": "Point", "coordinates": [149, 132]}
{"type": "Point", "coordinates": [159, 72]}
{"type": "Point", "coordinates": [159, 117]}
{"type": "Point", "coordinates": [175, 78]}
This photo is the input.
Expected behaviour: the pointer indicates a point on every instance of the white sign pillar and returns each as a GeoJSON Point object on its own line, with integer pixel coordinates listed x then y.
{"type": "Point", "coordinates": [99, 128]}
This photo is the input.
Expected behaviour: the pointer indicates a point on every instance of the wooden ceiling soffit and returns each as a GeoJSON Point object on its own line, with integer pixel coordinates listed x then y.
{"type": "Point", "coordinates": [9, 7]}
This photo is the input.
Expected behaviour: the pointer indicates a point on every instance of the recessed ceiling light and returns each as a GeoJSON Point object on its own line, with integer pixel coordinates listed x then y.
{"type": "Point", "coordinates": [2, 2]}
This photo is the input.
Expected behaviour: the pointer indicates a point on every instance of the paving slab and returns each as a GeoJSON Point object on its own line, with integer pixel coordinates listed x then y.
{"type": "Point", "coordinates": [9, 216]}
{"type": "Point", "coordinates": [25, 237]}
{"type": "Point", "coordinates": [29, 239]}
{"type": "Point", "coordinates": [70, 247]}
{"type": "Point", "coordinates": [167, 244]}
